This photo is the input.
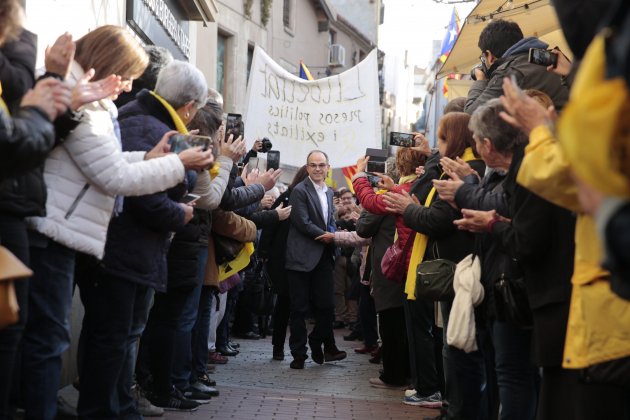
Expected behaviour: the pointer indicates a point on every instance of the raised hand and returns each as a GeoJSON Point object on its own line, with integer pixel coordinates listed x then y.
{"type": "Point", "coordinates": [196, 159]}
{"type": "Point", "coordinates": [234, 149]}
{"type": "Point", "coordinates": [58, 57]}
{"type": "Point", "coordinates": [397, 203]}
{"type": "Point", "coordinates": [422, 144]}
{"type": "Point", "coordinates": [458, 167]}
{"type": "Point", "coordinates": [50, 95]}
{"type": "Point", "coordinates": [362, 163]}
{"type": "Point", "coordinates": [447, 189]}
{"type": "Point", "coordinates": [522, 111]}
{"type": "Point", "coordinates": [270, 178]}
{"type": "Point", "coordinates": [85, 92]}
{"type": "Point", "coordinates": [385, 182]}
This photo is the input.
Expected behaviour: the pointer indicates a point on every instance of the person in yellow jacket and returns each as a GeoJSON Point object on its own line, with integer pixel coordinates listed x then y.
{"type": "Point", "coordinates": [587, 150]}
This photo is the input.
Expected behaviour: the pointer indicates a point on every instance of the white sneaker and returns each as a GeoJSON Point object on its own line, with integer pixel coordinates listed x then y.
{"type": "Point", "coordinates": [144, 406]}
{"type": "Point", "coordinates": [201, 387]}
{"type": "Point", "coordinates": [431, 401]}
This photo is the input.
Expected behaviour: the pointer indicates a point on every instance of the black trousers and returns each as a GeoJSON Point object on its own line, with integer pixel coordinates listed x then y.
{"type": "Point", "coordinates": [395, 350]}
{"type": "Point", "coordinates": [312, 288]}
{"type": "Point", "coordinates": [419, 322]}
{"type": "Point", "coordinates": [367, 316]}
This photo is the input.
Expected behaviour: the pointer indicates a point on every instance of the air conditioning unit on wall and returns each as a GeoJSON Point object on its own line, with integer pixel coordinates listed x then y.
{"type": "Point", "coordinates": [337, 56]}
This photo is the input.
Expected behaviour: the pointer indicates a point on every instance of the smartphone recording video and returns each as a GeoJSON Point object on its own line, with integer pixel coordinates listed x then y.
{"type": "Point", "coordinates": [543, 57]}
{"type": "Point", "coordinates": [234, 126]}
{"type": "Point", "coordinates": [401, 139]}
{"type": "Point", "coordinates": [181, 142]}
{"type": "Point", "coordinates": [273, 159]}
{"type": "Point", "coordinates": [376, 167]}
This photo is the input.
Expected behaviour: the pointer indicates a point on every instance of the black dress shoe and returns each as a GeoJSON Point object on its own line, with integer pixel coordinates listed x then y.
{"type": "Point", "coordinates": [227, 351]}
{"type": "Point", "coordinates": [316, 352]}
{"type": "Point", "coordinates": [338, 325]}
{"type": "Point", "coordinates": [278, 353]}
{"type": "Point", "coordinates": [297, 363]}
{"type": "Point", "coordinates": [249, 335]}
{"type": "Point", "coordinates": [332, 354]}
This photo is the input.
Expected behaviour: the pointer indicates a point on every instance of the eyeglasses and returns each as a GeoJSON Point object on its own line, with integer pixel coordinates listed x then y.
{"type": "Point", "coordinates": [317, 166]}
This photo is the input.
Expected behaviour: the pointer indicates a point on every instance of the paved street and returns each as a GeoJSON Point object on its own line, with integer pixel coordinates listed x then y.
{"type": "Point", "coordinates": [253, 386]}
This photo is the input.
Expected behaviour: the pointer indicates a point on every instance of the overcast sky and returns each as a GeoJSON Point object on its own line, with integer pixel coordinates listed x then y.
{"type": "Point", "coordinates": [413, 25]}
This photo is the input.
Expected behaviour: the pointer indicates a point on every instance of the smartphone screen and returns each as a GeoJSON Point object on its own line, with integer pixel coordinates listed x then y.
{"type": "Point", "coordinates": [234, 126]}
{"type": "Point", "coordinates": [401, 139]}
{"type": "Point", "coordinates": [376, 167]}
{"type": "Point", "coordinates": [273, 159]}
{"type": "Point", "coordinates": [542, 57]}
{"type": "Point", "coordinates": [181, 142]}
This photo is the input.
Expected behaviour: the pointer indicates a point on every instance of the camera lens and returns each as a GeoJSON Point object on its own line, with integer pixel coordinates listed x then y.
{"type": "Point", "coordinates": [266, 145]}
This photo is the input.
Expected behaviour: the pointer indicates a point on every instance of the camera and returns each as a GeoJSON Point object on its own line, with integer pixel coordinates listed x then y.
{"type": "Point", "coordinates": [181, 142]}
{"type": "Point", "coordinates": [480, 66]}
{"type": "Point", "coordinates": [543, 57]}
{"type": "Point", "coordinates": [374, 180]}
{"type": "Point", "coordinates": [266, 145]}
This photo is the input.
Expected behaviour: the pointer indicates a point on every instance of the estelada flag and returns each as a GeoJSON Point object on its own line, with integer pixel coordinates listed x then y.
{"type": "Point", "coordinates": [450, 37]}
{"type": "Point", "coordinates": [304, 72]}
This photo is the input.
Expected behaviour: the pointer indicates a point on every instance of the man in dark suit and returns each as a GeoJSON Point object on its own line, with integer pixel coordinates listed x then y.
{"type": "Point", "coordinates": [310, 263]}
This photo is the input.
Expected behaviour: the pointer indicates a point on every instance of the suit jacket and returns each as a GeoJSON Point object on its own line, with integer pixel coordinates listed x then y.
{"type": "Point", "coordinates": [307, 223]}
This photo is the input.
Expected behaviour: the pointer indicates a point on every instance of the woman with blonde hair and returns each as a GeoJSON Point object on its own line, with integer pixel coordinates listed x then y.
{"type": "Point", "coordinates": [86, 177]}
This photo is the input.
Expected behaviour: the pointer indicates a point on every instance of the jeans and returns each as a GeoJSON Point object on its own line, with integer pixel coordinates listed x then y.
{"type": "Point", "coordinates": [182, 361]}
{"type": "Point", "coordinates": [47, 331]}
{"type": "Point", "coordinates": [517, 378]}
{"type": "Point", "coordinates": [115, 314]}
{"type": "Point", "coordinates": [200, 334]}
{"type": "Point", "coordinates": [465, 378]}
{"type": "Point", "coordinates": [13, 236]}
{"type": "Point", "coordinates": [419, 322]}
{"type": "Point", "coordinates": [157, 347]}
{"type": "Point", "coordinates": [316, 288]}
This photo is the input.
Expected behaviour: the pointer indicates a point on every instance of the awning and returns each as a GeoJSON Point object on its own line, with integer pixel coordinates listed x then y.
{"type": "Point", "coordinates": [535, 17]}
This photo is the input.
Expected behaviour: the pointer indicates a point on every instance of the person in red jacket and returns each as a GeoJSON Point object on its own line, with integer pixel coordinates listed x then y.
{"type": "Point", "coordinates": [407, 160]}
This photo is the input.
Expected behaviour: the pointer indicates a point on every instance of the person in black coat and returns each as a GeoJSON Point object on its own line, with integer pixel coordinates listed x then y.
{"type": "Point", "coordinates": [272, 248]}
{"type": "Point", "coordinates": [445, 241]}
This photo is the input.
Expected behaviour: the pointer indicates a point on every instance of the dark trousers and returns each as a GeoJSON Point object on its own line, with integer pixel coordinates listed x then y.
{"type": "Point", "coordinates": [395, 350]}
{"type": "Point", "coordinates": [465, 378]}
{"type": "Point", "coordinates": [47, 332]}
{"type": "Point", "coordinates": [115, 314]}
{"type": "Point", "coordinates": [316, 288]}
{"type": "Point", "coordinates": [281, 314]}
{"type": "Point", "coordinates": [419, 322]}
{"type": "Point", "coordinates": [367, 316]}
{"type": "Point", "coordinates": [13, 236]}
{"type": "Point", "coordinates": [157, 347]}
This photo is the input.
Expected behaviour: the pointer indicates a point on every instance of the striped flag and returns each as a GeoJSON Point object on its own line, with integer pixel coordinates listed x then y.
{"type": "Point", "coordinates": [304, 72]}
{"type": "Point", "coordinates": [450, 37]}
{"type": "Point", "coordinates": [348, 173]}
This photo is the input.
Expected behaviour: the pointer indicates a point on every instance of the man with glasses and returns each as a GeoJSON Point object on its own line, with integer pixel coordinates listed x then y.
{"type": "Point", "coordinates": [504, 53]}
{"type": "Point", "coordinates": [309, 265]}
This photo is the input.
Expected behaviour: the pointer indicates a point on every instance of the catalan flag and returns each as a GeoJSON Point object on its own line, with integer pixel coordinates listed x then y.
{"type": "Point", "coordinates": [348, 173]}
{"type": "Point", "coordinates": [304, 72]}
{"type": "Point", "coordinates": [450, 37]}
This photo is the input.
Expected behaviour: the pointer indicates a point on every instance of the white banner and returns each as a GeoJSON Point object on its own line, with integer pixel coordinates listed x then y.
{"type": "Point", "coordinates": [339, 115]}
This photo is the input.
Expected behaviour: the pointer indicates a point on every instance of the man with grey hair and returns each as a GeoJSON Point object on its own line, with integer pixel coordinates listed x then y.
{"type": "Point", "coordinates": [309, 265]}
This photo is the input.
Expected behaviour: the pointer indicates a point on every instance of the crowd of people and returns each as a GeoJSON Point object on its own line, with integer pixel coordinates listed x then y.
{"type": "Point", "coordinates": [519, 215]}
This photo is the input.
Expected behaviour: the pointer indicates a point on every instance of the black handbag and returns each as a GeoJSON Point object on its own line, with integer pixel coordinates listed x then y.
{"type": "Point", "coordinates": [226, 249]}
{"type": "Point", "coordinates": [510, 299]}
{"type": "Point", "coordinates": [434, 278]}
{"type": "Point", "coordinates": [258, 290]}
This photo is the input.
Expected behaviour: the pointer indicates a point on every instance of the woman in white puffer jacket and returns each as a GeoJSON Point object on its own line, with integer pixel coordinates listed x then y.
{"type": "Point", "coordinates": [86, 177]}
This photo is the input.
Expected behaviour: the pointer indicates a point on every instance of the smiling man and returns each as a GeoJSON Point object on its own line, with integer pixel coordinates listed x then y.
{"type": "Point", "coordinates": [310, 265]}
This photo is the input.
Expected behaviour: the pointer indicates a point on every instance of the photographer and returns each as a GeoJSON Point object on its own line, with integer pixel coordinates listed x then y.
{"type": "Point", "coordinates": [504, 53]}
{"type": "Point", "coordinates": [262, 146]}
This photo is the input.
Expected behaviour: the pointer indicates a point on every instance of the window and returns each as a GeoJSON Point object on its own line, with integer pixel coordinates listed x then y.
{"type": "Point", "coordinates": [221, 42]}
{"type": "Point", "coordinates": [286, 13]}
{"type": "Point", "coordinates": [332, 37]}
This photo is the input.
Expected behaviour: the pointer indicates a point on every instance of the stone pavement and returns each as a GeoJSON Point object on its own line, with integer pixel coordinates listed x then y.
{"type": "Point", "coordinates": [253, 386]}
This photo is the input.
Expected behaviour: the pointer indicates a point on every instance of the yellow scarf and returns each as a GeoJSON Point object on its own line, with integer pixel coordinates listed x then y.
{"type": "Point", "coordinates": [3, 105]}
{"type": "Point", "coordinates": [421, 241]}
{"type": "Point", "coordinates": [181, 127]}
